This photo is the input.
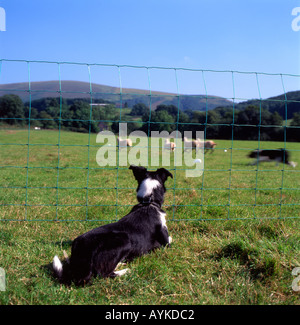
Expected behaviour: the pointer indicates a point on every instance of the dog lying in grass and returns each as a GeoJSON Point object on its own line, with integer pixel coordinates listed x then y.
{"type": "Point", "coordinates": [100, 250]}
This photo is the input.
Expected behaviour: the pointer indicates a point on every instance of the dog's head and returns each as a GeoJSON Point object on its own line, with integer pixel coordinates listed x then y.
{"type": "Point", "coordinates": [151, 185]}
{"type": "Point", "coordinates": [254, 154]}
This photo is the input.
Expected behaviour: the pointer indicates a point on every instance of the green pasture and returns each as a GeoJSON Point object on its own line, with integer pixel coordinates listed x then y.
{"type": "Point", "coordinates": [235, 229]}
{"type": "Point", "coordinates": [57, 177]}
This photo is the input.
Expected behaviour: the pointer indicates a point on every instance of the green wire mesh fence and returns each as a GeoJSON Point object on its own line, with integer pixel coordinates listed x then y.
{"type": "Point", "coordinates": [51, 114]}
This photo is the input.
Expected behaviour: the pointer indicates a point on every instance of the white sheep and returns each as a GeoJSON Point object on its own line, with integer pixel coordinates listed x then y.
{"type": "Point", "coordinates": [169, 145]}
{"type": "Point", "coordinates": [191, 144]}
{"type": "Point", "coordinates": [207, 145]}
{"type": "Point", "coordinates": [124, 143]}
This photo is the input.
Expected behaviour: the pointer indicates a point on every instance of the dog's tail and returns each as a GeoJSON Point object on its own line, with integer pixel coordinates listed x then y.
{"type": "Point", "coordinates": [58, 267]}
{"type": "Point", "coordinates": [60, 270]}
{"type": "Point", "coordinates": [293, 164]}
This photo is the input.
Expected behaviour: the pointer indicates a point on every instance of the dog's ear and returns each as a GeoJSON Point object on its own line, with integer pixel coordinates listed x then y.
{"type": "Point", "coordinates": [164, 174]}
{"type": "Point", "coordinates": [138, 172]}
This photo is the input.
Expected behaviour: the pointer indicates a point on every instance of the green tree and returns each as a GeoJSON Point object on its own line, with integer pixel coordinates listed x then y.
{"type": "Point", "coordinates": [276, 119]}
{"type": "Point", "coordinates": [81, 116]}
{"type": "Point", "coordinates": [162, 121]}
{"type": "Point", "coordinates": [12, 110]}
{"type": "Point", "coordinates": [170, 109]}
{"type": "Point", "coordinates": [183, 119]}
{"type": "Point", "coordinates": [139, 109]}
{"type": "Point", "coordinates": [295, 120]}
{"type": "Point", "coordinates": [293, 132]}
{"type": "Point", "coordinates": [34, 116]}
{"type": "Point", "coordinates": [47, 121]}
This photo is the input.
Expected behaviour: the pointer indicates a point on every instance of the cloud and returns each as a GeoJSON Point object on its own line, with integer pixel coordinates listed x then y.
{"type": "Point", "coordinates": [187, 60]}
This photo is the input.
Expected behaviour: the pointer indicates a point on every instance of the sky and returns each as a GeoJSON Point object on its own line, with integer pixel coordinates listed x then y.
{"type": "Point", "coordinates": [222, 35]}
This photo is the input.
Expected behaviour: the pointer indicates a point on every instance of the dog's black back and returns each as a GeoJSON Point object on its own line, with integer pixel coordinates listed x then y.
{"type": "Point", "coordinates": [272, 154]}
{"type": "Point", "coordinates": [99, 251]}
{"type": "Point", "coordinates": [277, 155]}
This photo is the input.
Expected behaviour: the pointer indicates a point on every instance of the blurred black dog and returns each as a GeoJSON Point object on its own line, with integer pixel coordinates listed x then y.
{"type": "Point", "coordinates": [100, 250]}
{"type": "Point", "coordinates": [277, 155]}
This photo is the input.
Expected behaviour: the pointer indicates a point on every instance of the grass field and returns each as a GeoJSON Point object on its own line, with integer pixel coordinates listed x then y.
{"type": "Point", "coordinates": [235, 229]}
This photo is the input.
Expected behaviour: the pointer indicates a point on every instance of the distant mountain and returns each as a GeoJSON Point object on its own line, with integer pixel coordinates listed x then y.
{"type": "Point", "coordinates": [286, 104]}
{"type": "Point", "coordinates": [78, 89]}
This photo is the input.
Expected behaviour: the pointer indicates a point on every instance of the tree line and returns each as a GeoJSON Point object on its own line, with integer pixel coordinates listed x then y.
{"type": "Point", "coordinates": [249, 123]}
{"type": "Point", "coordinates": [53, 113]}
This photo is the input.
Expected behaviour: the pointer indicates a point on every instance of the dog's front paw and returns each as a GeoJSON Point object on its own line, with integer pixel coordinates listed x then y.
{"type": "Point", "coordinates": [121, 272]}
{"type": "Point", "coordinates": [170, 240]}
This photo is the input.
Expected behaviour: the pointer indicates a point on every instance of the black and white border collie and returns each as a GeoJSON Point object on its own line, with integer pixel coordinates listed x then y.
{"type": "Point", "coordinates": [276, 155]}
{"type": "Point", "coordinates": [100, 250]}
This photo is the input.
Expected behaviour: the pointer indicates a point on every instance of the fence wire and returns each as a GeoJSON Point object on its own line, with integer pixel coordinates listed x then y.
{"type": "Point", "coordinates": [53, 174]}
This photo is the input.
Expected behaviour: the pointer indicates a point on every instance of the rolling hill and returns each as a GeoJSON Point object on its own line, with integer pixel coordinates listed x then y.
{"type": "Point", "coordinates": [285, 105]}
{"type": "Point", "coordinates": [78, 89]}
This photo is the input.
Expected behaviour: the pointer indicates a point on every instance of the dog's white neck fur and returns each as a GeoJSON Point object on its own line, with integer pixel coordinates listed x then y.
{"type": "Point", "coordinates": [162, 216]}
{"type": "Point", "coordinates": [147, 186]}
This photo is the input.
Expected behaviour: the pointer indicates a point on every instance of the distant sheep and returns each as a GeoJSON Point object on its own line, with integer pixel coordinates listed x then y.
{"type": "Point", "coordinates": [169, 145]}
{"type": "Point", "coordinates": [191, 144]}
{"type": "Point", "coordinates": [124, 143]}
{"type": "Point", "coordinates": [207, 145]}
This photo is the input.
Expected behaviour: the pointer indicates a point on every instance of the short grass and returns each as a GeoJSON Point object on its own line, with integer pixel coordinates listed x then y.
{"type": "Point", "coordinates": [64, 182]}
{"type": "Point", "coordinates": [235, 228]}
{"type": "Point", "coordinates": [232, 262]}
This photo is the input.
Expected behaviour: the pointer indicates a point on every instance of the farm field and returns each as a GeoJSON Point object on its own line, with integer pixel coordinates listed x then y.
{"type": "Point", "coordinates": [235, 229]}
{"type": "Point", "coordinates": [45, 181]}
